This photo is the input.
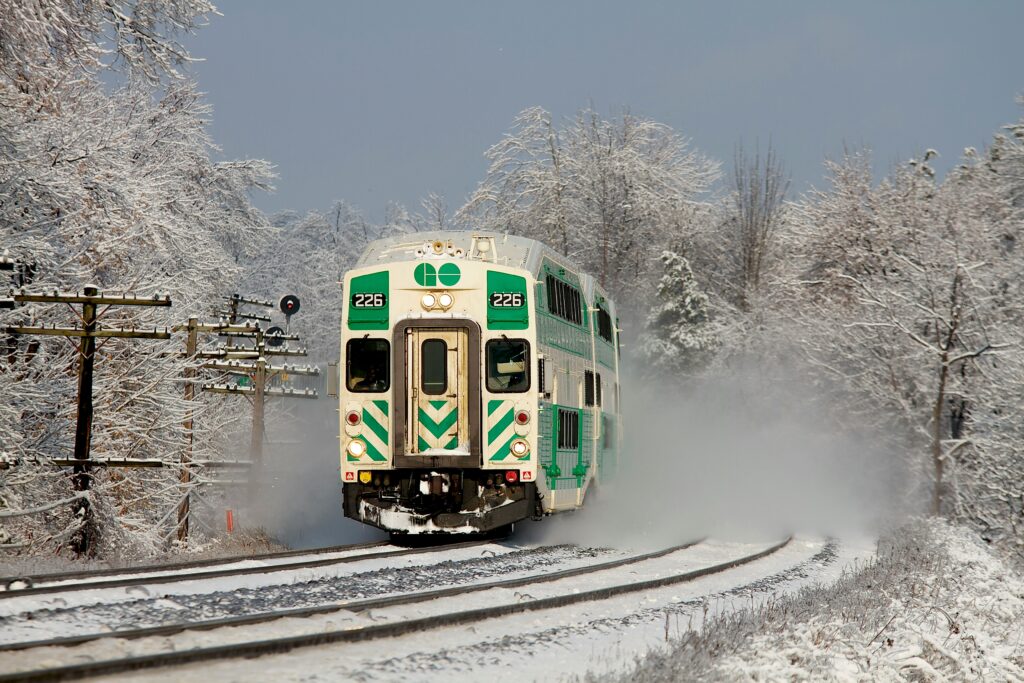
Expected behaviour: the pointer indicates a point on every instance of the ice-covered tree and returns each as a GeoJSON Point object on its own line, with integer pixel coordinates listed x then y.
{"type": "Point", "coordinates": [909, 299]}
{"type": "Point", "coordinates": [679, 338]}
{"type": "Point", "coordinates": [607, 192]}
{"type": "Point", "coordinates": [111, 184]}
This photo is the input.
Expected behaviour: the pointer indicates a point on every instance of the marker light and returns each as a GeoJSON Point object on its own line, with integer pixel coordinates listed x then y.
{"type": "Point", "coordinates": [428, 301]}
{"type": "Point", "coordinates": [522, 417]}
{"type": "Point", "coordinates": [519, 448]}
{"type": "Point", "coordinates": [445, 300]}
{"type": "Point", "coordinates": [512, 476]}
{"type": "Point", "coordinates": [365, 476]}
{"type": "Point", "coordinates": [353, 417]}
{"type": "Point", "coordinates": [356, 448]}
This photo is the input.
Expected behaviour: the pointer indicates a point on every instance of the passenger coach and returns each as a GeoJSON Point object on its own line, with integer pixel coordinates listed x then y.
{"type": "Point", "coordinates": [480, 383]}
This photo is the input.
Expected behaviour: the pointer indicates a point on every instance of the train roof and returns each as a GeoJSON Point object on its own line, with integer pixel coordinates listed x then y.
{"type": "Point", "coordinates": [508, 250]}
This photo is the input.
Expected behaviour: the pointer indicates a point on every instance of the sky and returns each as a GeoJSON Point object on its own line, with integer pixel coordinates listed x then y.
{"type": "Point", "coordinates": [379, 101]}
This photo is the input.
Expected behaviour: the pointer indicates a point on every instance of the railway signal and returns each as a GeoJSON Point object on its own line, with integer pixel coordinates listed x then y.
{"type": "Point", "coordinates": [90, 298]}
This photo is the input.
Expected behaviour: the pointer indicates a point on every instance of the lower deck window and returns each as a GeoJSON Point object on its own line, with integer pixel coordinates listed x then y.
{"type": "Point", "coordinates": [368, 365]}
{"type": "Point", "coordinates": [568, 429]}
{"type": "Point", "coordinates": [508, 365]}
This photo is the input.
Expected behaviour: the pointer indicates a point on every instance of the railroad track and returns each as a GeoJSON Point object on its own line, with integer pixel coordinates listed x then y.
{"type": "Point", "coordinates": [159, 578]}
{"type": "Point", "coordinates": [33, 580]}
{"type": "Point", "coordinates": [371, 632]}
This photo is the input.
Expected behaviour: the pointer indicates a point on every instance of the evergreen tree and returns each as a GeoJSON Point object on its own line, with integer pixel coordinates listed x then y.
{"type": "Point", "coordinates": [680, 337]}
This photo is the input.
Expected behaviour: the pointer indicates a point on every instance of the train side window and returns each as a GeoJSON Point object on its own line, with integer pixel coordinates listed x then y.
{"type": "Point", "coordinates": [540, 375]}
{"type": "Point", "coordinates": [588, 388]}
{"type": "Point", "coordinates": [598, 389]}
{"type": "Point", "coordinates": [434, 367]}
{"type": "Point", "coordinates": [607, 434]}
{"type": "Point", "coordinates": [368, 365]}
{"type": "Point", "coordinates": [508, 365]}
{"type": "Point", "coordinates": [604, 324]}
{"type": "Point", "coordinates": [568, 429]}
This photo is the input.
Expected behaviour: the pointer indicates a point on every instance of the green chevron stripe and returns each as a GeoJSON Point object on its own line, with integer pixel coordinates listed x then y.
{"type": "Point", "coordinates": [438, 404]}
{"type": "Point", "coordinates": [375, 427]}
{"type": "Point", "coordinates": [382, 406]}
{"type": "Point", "coordinates": [492, 406]}
{"type": "Point", "coordinates": [504, 451]}
{"type": "Point", "coordinates": [498, 427]}
{"type": "Point", "coordinates": [372, 451]}
{"type": "Point", "coordinates": [438, 429]}
{"type": "Point", "coordinates": [422, 445]}
{"type": "Point", "coordinates": [453, 444]}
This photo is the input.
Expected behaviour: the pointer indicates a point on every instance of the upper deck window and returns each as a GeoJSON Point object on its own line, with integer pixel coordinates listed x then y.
{"type": "Point", "coordinates": [564, 300]}
{"type": "Point", "coordinates": [604, 324]}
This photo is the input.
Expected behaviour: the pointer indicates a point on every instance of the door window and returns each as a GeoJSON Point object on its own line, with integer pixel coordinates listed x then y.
{"type": "Point", "coordinates": [434, 367]}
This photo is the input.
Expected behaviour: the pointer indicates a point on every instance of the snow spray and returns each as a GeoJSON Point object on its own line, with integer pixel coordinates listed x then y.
{"type": "Point", "coordinates": [737, 455]}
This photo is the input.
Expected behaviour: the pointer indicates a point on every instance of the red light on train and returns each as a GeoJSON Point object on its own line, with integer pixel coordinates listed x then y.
{"type": "Point", "coordinates": [512, 476]}
{"type": "Point", "coordinates": [353, 417]}
{"type": "Point", "coordinates": [522, 417]}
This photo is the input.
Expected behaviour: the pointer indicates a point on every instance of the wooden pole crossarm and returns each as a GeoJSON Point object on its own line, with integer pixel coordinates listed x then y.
{"type": "Point", "coordinates": [222, 463]}
{"type": "Point", "coordinates": [98, 299]}
{"type": "Point", "coordinates": [224, 328]}
{"type": "Point", "coordinates": [285, 352]}
{"type": "Point", "coordinates": [228, 354]}
{"type": "Point", "coordinates": [112, 462]}
{"type": "Point", "coordinates": [247, 316]}
{"type": "Point", "coordinates": [309, 370]}
{"type": "Point", "coordinates": [233, 368]}
{"type": "Point", "coordinates": [248, 391]}
{"type": "Point", "coordinates": [129, 333]}
{"type": "Point", "coordinates": [254, 333]}
{"type": "Point", "coordinates": [254, 302]}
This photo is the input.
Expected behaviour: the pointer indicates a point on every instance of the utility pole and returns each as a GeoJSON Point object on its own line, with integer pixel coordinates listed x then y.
{"type": "Point", "coordinates": [90, 298]}
{"type": "Point", "coordinates": [246, 362]}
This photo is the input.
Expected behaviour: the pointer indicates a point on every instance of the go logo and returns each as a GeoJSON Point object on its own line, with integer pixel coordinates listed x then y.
{"type": "Point", "coordinates": [427, 276]}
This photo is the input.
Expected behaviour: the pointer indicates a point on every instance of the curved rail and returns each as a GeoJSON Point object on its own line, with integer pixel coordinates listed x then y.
{"type": "Point", "coordinates": [387, 630]}
{"type": "Point", "coordinates": [352, 606]}
{"type": "Point", "coordinates": [172, 566]}
{"type": "Point", "coordinates": [217, 573]}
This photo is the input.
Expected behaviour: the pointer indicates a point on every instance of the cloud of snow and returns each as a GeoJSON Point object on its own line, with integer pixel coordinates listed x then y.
{"type": "Point", "coordinates": [299, 499]}
{"type": "Point", "coordinates": [741, 456]}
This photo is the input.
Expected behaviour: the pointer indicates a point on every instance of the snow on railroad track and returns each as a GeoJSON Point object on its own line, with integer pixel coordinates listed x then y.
{"type": "Point", "coordinates": [490, 638]}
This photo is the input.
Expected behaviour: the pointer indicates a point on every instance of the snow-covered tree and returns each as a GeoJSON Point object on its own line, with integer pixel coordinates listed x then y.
{"type": "Point", "coordinates": [110, 184]}
{"type": "Point", "coordinates": [680, 338]}
{"type": "Point", "coordinates": [909, 299]}
{"type": "Point", "coordinates": [606, 192]}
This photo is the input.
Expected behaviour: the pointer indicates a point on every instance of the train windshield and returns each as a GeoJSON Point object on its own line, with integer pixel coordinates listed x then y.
{"type": "Point", "coordinates": [367, 365]}
{"type": "Point", "coordinates": [508, 365]}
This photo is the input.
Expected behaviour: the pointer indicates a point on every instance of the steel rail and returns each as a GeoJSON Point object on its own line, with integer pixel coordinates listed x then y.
{"type": "Point", "coordinates": [353, 635]}
{"type": "Point", "coordinates": [351, 606]}
{"type": "Point", "coordinates": [217, 573]}
{"type": "Point", "coordinates": [173, 566]}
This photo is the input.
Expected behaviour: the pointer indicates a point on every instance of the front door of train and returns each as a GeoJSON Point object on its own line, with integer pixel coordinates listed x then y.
{"type": "Point", "coordinates": [437, 392]}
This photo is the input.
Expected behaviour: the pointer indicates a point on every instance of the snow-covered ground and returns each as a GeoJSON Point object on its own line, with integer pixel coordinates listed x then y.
{"type": "Point", "coordinates": [605, 634]}
{"type": "Point", "coordinates": [937, 604]}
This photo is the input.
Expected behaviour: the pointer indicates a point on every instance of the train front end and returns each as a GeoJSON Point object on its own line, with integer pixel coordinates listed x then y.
{"type": "Point", "coordinates": [437, 398]}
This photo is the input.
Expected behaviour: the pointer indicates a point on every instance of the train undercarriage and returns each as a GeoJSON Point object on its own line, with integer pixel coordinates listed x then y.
{"type": "Point", "coordinates": [446, 501]}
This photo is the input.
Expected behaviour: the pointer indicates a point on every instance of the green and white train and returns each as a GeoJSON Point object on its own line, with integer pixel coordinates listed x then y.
{"type": "Point", "coordinates": [480, 383]}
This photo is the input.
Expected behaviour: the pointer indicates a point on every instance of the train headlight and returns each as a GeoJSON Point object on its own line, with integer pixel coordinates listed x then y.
{"type": "Point", "coordinates": [520, 448]}
{"type": "Point", "coordinates": [365, 476]}
{"type": "Point", "coordinates": [428, 301]}
{"type": "Point", "coordinates": [356, 448]}
{"type": "Point", "coordinates": [446, 300]}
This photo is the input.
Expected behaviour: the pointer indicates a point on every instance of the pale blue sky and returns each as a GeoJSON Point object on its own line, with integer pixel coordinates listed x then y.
{"type": "Point", "coordinates": [375, 101]}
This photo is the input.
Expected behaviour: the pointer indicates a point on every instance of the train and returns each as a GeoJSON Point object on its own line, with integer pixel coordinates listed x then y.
{"type": "Point", "coordinates": [479, 384]}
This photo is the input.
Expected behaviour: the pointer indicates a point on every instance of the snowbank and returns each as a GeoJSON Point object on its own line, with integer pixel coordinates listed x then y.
{"type": "Point", "coordinates": [937, 604]}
